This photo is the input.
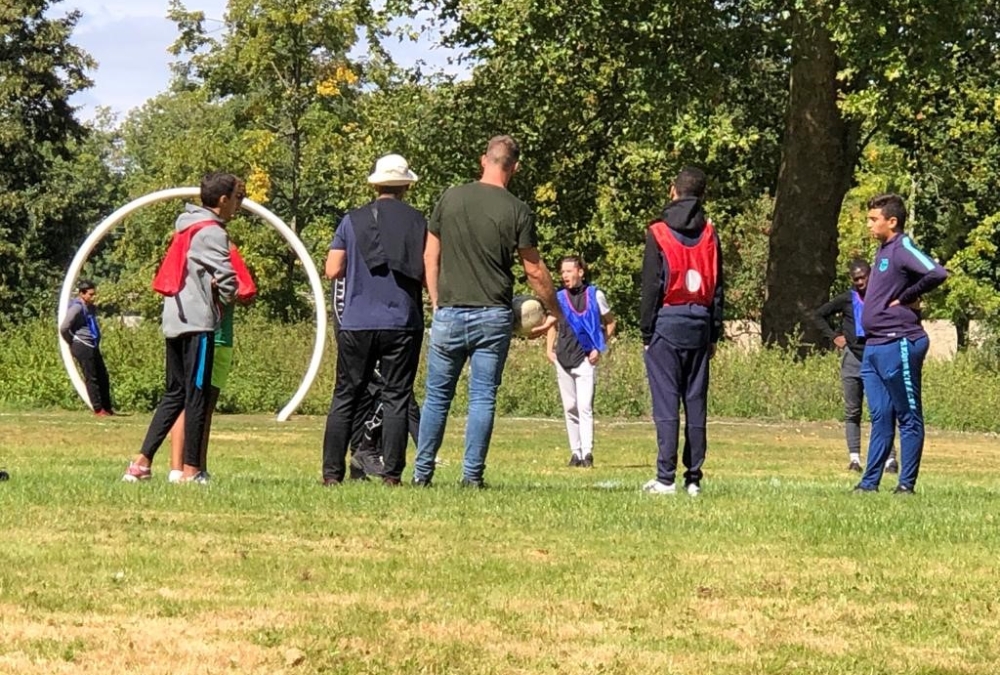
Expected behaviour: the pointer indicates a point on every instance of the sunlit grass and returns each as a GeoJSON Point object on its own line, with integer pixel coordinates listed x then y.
{"type": "Point", "coordinates": [776, 568]}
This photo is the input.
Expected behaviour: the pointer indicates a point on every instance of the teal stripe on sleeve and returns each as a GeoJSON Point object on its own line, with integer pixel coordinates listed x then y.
{"type": "Point", "coordinates": [917, 253]}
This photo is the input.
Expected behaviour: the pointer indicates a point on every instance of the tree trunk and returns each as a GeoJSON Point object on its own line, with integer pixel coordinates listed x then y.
{"type": "Point", "coordinates": [818, 155]}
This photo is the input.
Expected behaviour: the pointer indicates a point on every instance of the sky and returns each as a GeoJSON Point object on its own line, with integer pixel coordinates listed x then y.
{"type": "Point", "coordinates": [129, 40]}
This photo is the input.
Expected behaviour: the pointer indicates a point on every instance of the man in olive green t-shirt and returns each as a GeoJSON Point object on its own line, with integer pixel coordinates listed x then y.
{"type": "Point", "coordinates": [475, 235]}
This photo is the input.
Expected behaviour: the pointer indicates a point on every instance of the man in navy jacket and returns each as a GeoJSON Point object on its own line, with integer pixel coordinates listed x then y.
{"type": "Point", "coordinates": [896, 343]}
{"type": "Point", "coordinates": [681, 322]}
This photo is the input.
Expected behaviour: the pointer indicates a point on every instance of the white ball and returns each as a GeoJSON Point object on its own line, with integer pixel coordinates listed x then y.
{"type": "Point", "coordinates": [529, 313]}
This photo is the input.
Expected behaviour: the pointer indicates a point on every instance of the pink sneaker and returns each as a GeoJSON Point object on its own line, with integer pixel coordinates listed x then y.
{"type": "Point", "coordinates": [136, 473]}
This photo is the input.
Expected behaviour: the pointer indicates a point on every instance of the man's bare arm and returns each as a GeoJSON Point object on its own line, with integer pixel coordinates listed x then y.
{"type": "Point", "coordinates": [432, 266]}
{"type": "Point", "coordinates": [336, 263]}
{"type": "Point", "coordinates": [540, 280]}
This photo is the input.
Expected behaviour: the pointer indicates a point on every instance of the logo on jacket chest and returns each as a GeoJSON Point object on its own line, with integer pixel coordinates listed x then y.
{"type": "Point", "coordinates": [883, 264]}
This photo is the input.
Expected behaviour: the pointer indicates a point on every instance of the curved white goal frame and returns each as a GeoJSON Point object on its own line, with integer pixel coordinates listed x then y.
{"type": "Point", "coordinates": [111, 221]}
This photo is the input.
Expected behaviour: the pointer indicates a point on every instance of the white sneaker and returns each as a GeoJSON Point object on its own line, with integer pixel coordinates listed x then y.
{"type": "Point", "coordinates": [693, 489]}
{"type": "Point", "coordinates": [175, 476]}
{"type": "Point", "coordinates": [655, 487]}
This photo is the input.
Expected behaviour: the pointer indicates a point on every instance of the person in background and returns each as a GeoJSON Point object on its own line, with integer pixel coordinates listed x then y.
{"type": "Point", "coordinates": [849, 338]}
{"type": "Point", "coordinates": [81, 331]}
{"type": "Point", "coordinates": [575, 348]}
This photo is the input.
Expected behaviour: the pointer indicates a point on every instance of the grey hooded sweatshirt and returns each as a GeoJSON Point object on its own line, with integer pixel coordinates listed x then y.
{"type": "Point", "coordinates": [197, 309]}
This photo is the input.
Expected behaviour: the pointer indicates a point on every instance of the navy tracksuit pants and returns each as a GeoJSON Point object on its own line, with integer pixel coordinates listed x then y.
{"type": "Point", "coordinates": [892, 375]}
{"type": "Point", "coordinates": [678, 376]}
{"type": "Point", "coordinates": [189, 360]}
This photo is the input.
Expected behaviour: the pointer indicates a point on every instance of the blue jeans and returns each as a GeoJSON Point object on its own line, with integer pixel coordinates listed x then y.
{"type": "Point", "coordinates": [892, 376]}
{"type": "Point", "coordinates": [480, 335]}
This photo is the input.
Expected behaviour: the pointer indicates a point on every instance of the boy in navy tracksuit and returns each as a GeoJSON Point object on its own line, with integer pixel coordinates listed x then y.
{"type": "Point", "coordinates": [896, 343]}
{"type": "Point", "coordinates": [681, 321]}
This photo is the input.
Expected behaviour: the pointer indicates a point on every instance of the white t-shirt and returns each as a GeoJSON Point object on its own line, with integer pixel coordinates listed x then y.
{"type": "Point", "coordinates": [602, 302]}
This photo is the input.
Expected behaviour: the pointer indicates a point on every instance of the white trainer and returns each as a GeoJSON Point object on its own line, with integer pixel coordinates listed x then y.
{"type": "Point", "coordinates": [655, 487]}
{"type": "Point", "coordinates": [175, 476]}
{"type": "Point", "coordinates": [694, 489]}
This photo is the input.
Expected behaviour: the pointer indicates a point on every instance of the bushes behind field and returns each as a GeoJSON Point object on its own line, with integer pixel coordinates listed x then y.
{"type": "Point", "coordinates": [271, 359]}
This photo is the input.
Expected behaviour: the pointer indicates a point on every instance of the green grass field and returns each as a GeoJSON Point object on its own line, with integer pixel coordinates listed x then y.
{"type": "Point", "coordinates": [776, 568]}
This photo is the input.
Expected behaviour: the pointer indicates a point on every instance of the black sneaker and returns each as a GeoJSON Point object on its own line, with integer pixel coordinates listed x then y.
{"type": "Point", "coordinates": [367, 462]}
{"type": "Point", "coordinates": [574, 461]}
{"type": "Point", "coordinates": [891, 466]}
{"type": "Point", "coordinates": [389, 481]}
{"type": "Point", "coordinates": [854, 466]}
{"type": "Point", "coordinates": [903, 490]}
{"type": "Point", "coordinates": [355, 471]}
{"type": "Point", "coordinates": [421, 482]}
{"type": "Point", "coordinates": [4, 475]}
{"type": "Point", "coordinates": [588, 461]}
{"type": "Point", "coordinates": [477, 484]}
{"type": "Point", "coordinates": [860, 489]}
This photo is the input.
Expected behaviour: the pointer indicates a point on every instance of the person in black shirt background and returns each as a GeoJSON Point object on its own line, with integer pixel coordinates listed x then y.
{"type": "Point", "coordinates": [850, 340]}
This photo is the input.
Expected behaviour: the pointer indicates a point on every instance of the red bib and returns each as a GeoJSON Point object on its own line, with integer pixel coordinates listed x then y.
{"type": "Point", "coordinates": [169, 279]}
{"type": "Point", "coordinates": [246, 289]}
{"type": "Point", "coordinates": [693, 269]}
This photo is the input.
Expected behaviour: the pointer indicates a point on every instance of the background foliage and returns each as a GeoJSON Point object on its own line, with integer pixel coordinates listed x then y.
{"type": "Point", "coordinates": [608, 99]}
{"type": "Point", "coordinates": [270, 360]}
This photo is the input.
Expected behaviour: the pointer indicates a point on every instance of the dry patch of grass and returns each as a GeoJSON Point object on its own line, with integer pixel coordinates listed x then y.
{"type": "Point", "coordinates": [84, 644]}
{"type": "Point", "coordinates": [775, 569]}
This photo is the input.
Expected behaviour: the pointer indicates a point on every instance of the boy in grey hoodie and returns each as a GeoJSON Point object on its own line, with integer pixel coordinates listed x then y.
{"type": "Point", "coordinates": [190, 318]}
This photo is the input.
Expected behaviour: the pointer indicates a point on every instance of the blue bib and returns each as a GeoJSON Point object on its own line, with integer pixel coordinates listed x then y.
{"type": "Point", "coordinates": [586, 325]}
{"type": "Point", "coordinates": [859, 305]}
{"type": "Point", "coordinates": [95, 332]}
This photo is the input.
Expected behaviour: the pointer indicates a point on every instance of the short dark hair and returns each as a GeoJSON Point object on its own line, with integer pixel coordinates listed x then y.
{"type": "Point", "coordinates": [575, 259]}
{"type": "Point", "coordinates": [84, 285]}
{"type": "Point", "coordinates": [503, 150]}
{"type": "Point", "coordinates": [690, 182]}
{"type": "Point", "coordinates": [215, 186]}
{"type": "Point", "coordinates": [397, 190]}
{"type": "Point", "coordinates": [891, 206]}
{"type": "Point", "coordinates": [858, 265]}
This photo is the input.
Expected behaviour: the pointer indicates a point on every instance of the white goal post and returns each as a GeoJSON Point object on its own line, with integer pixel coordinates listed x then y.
{"type": "Point", "coordinates": [111, 221]}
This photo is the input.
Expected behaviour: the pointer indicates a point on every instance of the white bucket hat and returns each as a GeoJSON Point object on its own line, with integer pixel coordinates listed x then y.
{"type": "Point", "coordinates": [392, 170]}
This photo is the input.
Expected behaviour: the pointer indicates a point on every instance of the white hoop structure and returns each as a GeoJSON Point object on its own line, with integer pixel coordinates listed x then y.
{"type": "Point", "coordinates": [253, 207]}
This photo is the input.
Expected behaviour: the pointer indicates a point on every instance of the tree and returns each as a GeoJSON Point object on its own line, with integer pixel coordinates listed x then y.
{"type": "Point", "coordinates": [282, 66]}
{"type": "Point", "coordinates": [818, 157]}
{"type": "Point", "coordinates": [40, 69]}
{"type": "Point", "coordinates": [857, 68]}
{"type": "Point", "coordinates": [609, 101]}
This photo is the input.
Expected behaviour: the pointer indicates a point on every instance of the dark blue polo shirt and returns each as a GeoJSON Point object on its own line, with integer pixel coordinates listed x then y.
{"type": "Point", "coordinates": [380, 301]}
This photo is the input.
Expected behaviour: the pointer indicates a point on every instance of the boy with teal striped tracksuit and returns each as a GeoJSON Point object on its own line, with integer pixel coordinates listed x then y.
{"type": "Point", "coordinates": [575, 349]}
{"type": "Point", "coordinates": [896, 343]}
